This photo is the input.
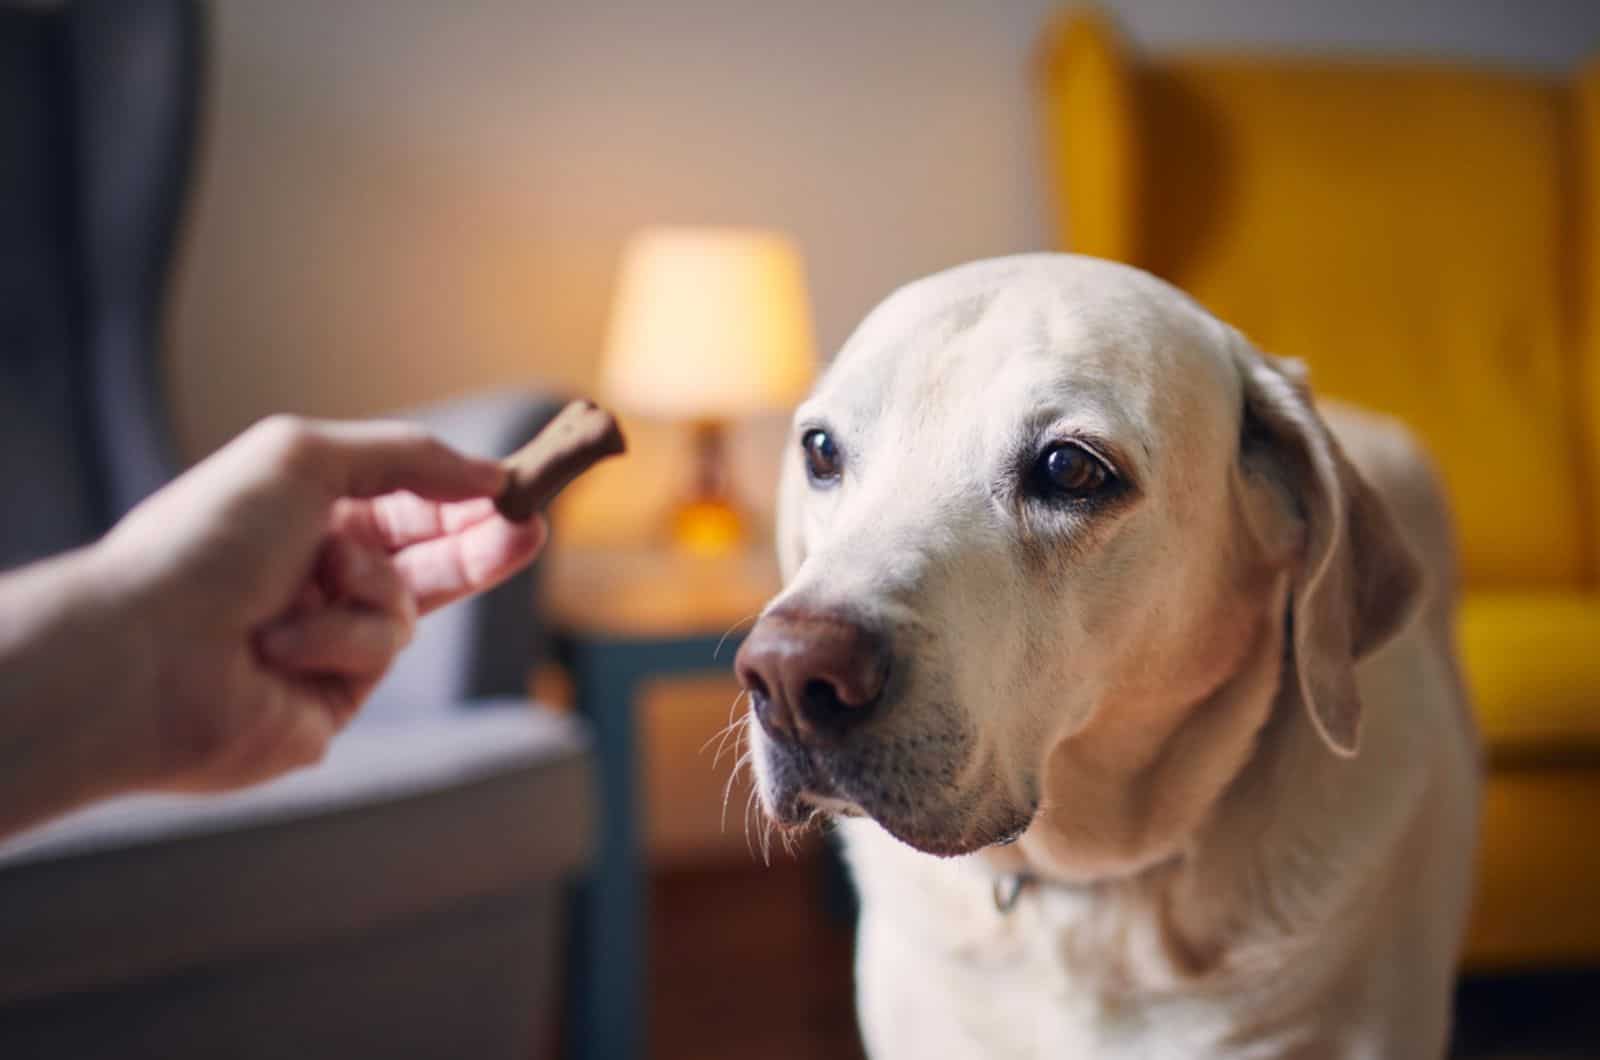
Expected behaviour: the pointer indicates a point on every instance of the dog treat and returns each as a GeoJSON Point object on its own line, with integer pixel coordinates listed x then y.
{"type": "Point", "coordinates": [581, 435]}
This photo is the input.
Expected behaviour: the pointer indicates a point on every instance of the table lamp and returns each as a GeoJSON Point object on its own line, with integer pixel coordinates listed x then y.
{"type": "Point", "coordinates": [709, 325]}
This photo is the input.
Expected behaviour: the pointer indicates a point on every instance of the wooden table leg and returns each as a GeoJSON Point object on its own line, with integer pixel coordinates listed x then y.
{"type": "Point", "coordinates": [607, 946]}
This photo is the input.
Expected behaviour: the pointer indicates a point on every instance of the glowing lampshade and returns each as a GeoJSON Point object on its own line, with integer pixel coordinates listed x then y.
{"type": "Point", "coordinates": [709, 324]}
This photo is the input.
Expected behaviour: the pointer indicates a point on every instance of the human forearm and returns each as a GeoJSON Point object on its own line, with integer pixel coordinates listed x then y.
{"type": "Point", "coordinates": [74, 689]}
{"type": "Point", "coordinates": [230, 625]}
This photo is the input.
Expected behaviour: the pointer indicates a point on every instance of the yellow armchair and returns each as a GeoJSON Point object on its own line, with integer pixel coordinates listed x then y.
{"type": "Point", "coordinates": [1427, 238]}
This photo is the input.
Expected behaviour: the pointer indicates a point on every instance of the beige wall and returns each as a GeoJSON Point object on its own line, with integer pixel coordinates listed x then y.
{"type": "Point", "coordinates": [404, 199]}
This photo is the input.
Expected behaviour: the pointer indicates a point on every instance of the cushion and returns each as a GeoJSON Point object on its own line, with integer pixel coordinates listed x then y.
{"type": "Point", "coordinates": [1532, 663]}
{"type": "Point", "coordinates": [397, 820]}
{"type": "Point", "coordinates": [1538, 871]}
{"type": "Point", "coordinates": [1585, 226]}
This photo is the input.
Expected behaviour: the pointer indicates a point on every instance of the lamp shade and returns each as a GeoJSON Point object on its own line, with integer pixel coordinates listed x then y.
{"type": "Point", "coordinates": [709, 323]}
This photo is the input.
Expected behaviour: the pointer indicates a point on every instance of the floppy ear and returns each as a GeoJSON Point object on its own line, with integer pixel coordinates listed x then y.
{"type": "Point", "coordinates": [1355, 582]}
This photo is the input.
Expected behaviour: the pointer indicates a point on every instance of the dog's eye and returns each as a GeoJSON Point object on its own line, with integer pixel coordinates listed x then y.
{"type": "Point", "coordinates": [824, 462]}
{"type": "Point", "coordinates": [1068, 471]}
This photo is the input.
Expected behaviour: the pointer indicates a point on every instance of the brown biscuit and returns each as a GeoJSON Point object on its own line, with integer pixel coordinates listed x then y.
{"type": "Point", "coordinates": [581, 435]}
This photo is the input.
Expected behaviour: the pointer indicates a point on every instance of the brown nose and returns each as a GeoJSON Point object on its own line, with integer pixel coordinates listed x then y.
{"type": "Point", "coordinates": [811, 675]}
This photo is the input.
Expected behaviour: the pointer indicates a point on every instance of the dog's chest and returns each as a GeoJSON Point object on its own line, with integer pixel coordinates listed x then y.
{"type": "Point", "coordinates": [1065, 973]}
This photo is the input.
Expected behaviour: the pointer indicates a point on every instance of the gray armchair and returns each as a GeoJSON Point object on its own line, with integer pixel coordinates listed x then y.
{"type": "Point", "coordinates": [403, 898]}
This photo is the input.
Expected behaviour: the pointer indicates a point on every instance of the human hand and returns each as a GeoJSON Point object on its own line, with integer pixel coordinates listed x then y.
{"type": "Point", "coordinates": [269, 588]}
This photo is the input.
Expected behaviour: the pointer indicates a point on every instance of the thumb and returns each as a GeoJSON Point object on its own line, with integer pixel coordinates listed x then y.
{"type": "Point", "coordinates": [370, 458]}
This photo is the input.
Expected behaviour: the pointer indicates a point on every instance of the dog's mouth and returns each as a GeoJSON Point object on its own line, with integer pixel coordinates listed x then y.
{"type": "Point", "coordinates": [797, 788]}
{"type": "Point", "coordinates": [917, 804]}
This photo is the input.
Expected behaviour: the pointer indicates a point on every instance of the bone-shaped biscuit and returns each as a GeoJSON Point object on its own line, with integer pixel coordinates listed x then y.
{"type": "Point", "coordinates": [581, 435]}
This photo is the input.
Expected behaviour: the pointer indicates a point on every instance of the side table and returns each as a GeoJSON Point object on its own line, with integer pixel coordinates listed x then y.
{"type": "Point", "coordinates": [620, 618]}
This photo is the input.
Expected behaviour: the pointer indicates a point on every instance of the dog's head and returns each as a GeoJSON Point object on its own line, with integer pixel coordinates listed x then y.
{"type": "Point", "coordinates": [1048, 529]}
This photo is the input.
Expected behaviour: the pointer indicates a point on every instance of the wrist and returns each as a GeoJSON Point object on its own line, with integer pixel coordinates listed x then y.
{"type": "Point", "coordinates": [76, 687]}
{"type": "Point", "coordinates": [122, 627]}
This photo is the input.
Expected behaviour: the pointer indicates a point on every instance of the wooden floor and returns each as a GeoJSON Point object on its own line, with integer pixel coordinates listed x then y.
{"type": "Point", "coordinates": [753, 963]}
{"type": "Point", "coordinates": [747, 963]}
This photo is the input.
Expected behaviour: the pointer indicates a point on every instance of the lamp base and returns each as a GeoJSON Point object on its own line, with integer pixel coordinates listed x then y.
{"type": "Point", "coordinates": [707, 523]}
{"type": "Point", "coordinates": [708, 526]}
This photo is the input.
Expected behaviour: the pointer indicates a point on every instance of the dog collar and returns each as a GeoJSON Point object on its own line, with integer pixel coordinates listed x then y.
{"type": "Point", "coordinates": [1007, 889]}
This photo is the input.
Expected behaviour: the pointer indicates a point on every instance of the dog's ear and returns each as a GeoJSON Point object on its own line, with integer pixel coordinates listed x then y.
{"type": "Point", "coordinates": [1355, 583]}
{"type": "Point", "coordinates": [791, 491]}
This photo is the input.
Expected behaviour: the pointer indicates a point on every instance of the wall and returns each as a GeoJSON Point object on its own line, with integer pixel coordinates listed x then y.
{"type": "Point", "coordinates": [403, 199]}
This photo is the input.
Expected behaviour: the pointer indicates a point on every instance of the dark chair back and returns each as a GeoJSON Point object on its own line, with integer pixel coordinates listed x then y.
{"type": "Point", "coordinates": [98, 112]}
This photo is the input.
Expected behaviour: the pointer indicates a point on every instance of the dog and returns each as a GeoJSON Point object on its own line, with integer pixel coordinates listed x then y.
{"type": "Point", "coordinates": [1087, 613]}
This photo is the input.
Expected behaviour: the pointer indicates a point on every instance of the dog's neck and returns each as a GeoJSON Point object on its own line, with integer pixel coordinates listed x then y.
{"type": "Point", "coordinates": [1146, 843]}
{"type": "Point", "coordinates": [1122, 801]}
{"type": "Point", "coordinates": [1182, 906]}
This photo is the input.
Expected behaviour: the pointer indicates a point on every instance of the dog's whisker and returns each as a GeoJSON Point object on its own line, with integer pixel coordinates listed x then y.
{"type": "Point", "coordinates": [727, 796]}
{"type": "Point", "coordinates": [720, 738]}
{"type": "Point", "coordinates": [740, 723]}
{"type": "Point", "coordinates": [715, 738]}
{"type": "Point", "coordinates": [730, 631]}
{"type": "Point", "coordinates": [740, 765]}
{"type": "Point", "coordinates": [749, 808]}
{"type": "Point", "coordinates": [733, 709]}
{"type": "Point", "coordinates": [729, 731]}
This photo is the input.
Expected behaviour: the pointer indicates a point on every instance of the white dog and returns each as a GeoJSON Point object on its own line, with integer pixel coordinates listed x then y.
{"type": "Point", "coordinates": [1086, 613]}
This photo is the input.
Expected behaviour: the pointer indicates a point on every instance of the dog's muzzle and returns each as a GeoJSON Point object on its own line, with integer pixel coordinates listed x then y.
{"type": "Point", "coordinates": [813, 676]}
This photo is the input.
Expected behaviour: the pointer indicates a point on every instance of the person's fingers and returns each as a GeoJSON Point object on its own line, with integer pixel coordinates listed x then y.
{"type": "Point", "coordinates": [359, 574]}
{"type": "Point", "coordinates": [335, 641]}
{"type": "Point", "coordinates": [294, 732]}
{"type": "Point", "coordinates": [310, 597]}
{"type": "Point", "coordinates": [398, 520]}
{"type": "Point", "coordinates": [369, 458]}
{"type": "Point", "coordinates": [478, 557]}
{"type": "Point", "coordinates": [340, 696]}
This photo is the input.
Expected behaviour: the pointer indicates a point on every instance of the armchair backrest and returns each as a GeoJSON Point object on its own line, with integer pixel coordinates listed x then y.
{"type": "Point", "coordinates": [98, 104]}
{"type": "Point", "coordinates": [1411, 230]}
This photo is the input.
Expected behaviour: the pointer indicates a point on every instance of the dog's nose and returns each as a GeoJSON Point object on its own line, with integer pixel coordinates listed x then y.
{"type": "Point", "coordinates": [811, 675]}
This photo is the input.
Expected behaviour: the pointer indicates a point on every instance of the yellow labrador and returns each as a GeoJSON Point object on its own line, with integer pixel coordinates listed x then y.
{"type": "Point", "coordinates": [1087, 612]}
